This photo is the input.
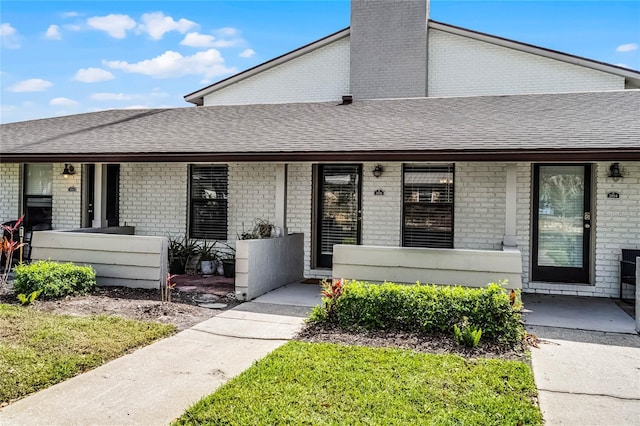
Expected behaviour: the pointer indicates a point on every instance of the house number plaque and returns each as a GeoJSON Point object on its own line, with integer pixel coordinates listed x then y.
{"type": "Point", "coordinates": [613, 195]}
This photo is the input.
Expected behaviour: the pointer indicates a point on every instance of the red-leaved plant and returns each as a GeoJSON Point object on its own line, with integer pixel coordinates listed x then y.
{"type": "Point", "coordinates": [8, 248]}
{"type": "Point", "coordinates": [331, 291]}
{"type": "Point", "coordinates": [165, 290]}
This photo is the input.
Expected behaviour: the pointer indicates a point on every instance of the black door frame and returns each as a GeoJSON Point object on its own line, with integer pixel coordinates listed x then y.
{"type": "Point", "coordinates": [320, 261]}
{"type": "Point", "coordinates": [560, 274]}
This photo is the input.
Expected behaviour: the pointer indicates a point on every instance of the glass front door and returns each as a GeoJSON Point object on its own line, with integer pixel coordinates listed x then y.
{"type": "Point", "coordinates": [562, 223]}
{"type": "Point", "coordinates": [338, 209]}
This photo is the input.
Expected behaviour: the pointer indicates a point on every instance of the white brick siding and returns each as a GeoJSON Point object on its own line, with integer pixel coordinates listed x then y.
{"type": "Point", "coordinates": [461, 66]}
{"type": "Point", "coordinates": [9, 191]}
{"type": "Point", "coordinates": [382, 214]}
{"type": "Point", "coordinates": [479, 206]}
{"type": "Point", "coordinates": [299, 195]}
{"type": "Point", "coordinates": [523, 217]}
{"type": "Point", "coordinates": [252, 193]}
{"type": "Point", "coordinates": [66, 205]}
{"type": "Point", "coordinates": [617, 224]}
{"type": "Point", "coordinates": [153, 198]}
{"type": "Point", "coordinates": [319, 76]}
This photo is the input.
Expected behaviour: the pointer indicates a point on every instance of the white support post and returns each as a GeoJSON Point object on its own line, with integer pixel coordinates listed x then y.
{"type": "Point", "coordinates": [281, 197]}
{"type": "Point", "coordinates": [510, 239]}
{"type": "Point", "coordinates": [100, 197]}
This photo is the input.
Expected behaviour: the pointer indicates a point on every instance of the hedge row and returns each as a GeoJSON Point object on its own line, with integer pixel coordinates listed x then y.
{"type": "Point", "coordinates": [55, 280]}
{"type": "Point", "coordinates": [424, 309]}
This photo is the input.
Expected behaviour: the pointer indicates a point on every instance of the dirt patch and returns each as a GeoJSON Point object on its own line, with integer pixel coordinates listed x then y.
{"type": "Point", "coordinates": [437, 344]}
{"type": "Point", "coordinates": [139, 304]}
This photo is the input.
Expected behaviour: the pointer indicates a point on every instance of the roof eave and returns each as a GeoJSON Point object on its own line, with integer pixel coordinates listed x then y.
{"type": "Point", "coordinates": [500, 155]}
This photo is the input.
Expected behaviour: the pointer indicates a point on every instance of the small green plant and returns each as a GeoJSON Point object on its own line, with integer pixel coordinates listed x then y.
{"type": "Point", "coordinates": [27, 300]}
{"type": "Point", "coordinates": [262, 228]}
{"type": "Point", "coordinates": [466, 334]}
{"type": "Point", "coordinates": [54, 280]}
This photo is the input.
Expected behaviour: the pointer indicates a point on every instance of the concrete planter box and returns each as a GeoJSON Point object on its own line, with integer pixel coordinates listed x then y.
{"type": "Point", "coordinates": [264, 265]}
{"type": "Point", "coordinates": [472, 268]}
{"type": "Point", "coordinates": [119, 260]}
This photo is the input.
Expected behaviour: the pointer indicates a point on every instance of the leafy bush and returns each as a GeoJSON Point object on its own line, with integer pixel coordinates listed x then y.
{"type": "Point", "coordinates": [54, 280]}
{"type": "Point", "coordinates": [425, 309]}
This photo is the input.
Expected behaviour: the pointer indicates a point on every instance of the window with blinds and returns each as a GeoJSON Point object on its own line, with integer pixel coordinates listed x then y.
{"type": "Point", "coordinates": [38, 184]}
{"type": "Point", "coordinates": [208, 193]}
{"type": "Point", "coordinates": [428, 192]}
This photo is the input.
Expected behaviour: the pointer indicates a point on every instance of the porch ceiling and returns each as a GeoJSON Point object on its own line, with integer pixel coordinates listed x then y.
{"type": "Point", "coordinates": [568, 127]}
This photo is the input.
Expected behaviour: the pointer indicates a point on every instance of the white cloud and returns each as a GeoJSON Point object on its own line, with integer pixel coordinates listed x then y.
{"type": "Point", "coordinates": [208, 63]}
{"type": "Point", "coordinates": [629, 47]}
{"type": "Point", "coordinates": [72, 27]}
{"type": "Point", "coordinates": [9, 36]}
{"type": "Point", "coordinates": [93, 75]}
{"type": "Point", "coordinates": [31, 85]}
{"type": "Point", "coordinates": [70, 14]}
{"type": "Point", "coordinates": [63, 102]}
{"type": "Point", "coordinates": [156, 24]}
{"type": "Point", "coordinates": [53, 32]}
{"type": "Point", "coordinates": [111, 97]}
{"type": "Point", "coordinates": [198, 40]}
{"type": "Point", "coordinates": [247, 53]}
{"type": "Point", "coordinates": [115, 25]}
{"type": "Point", "coordinates": [227, 32]}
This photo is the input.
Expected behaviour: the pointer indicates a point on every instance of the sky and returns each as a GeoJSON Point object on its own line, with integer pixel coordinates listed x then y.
{"type": "Point", "coordinates": [60, 58]}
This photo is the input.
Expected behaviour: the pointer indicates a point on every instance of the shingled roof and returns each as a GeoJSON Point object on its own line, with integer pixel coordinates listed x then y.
{"type": "Point", "coordinates": [570, 126]}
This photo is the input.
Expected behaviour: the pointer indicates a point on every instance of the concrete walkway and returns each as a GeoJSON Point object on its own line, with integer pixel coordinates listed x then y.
{"type": "Point", "coordinates": [587, 368]}
{"type": "Point", "coordinates": [155, 384]}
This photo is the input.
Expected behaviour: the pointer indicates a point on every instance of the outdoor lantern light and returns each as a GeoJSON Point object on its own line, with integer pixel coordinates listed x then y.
{"type": "Point", "coordinates": [68, 170]}
{"type": "Point", "coordinates": [377, 170]}
{"type": "Point", "coordinates": [614, 171]}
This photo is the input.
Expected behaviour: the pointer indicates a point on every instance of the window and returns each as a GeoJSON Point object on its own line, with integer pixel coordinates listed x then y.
{"type": "Point", "coordinates": [427, 215]}
{"type": "Point", "coordinates": [38, 183]}
{"type": "Point", "coordinates": [208, 202]}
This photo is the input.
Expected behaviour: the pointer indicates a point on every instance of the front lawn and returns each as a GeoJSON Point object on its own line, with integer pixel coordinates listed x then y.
{"type": "Point", "coordinates": [323, 383]}
{"type": "Point", "coordinates": [39, 349]}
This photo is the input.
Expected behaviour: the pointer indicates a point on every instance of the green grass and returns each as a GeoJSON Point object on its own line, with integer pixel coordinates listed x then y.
{"type": "Point", "coordinates": [325, 384]}
{"type": "Point", "coordinates": [40, 349]}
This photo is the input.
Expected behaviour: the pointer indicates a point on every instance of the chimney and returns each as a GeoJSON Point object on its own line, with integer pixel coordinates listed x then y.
{"type": "Point", "coordinates": [388, 48]}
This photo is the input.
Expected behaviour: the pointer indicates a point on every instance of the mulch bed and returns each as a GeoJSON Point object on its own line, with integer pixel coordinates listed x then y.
{"type": "Point", "coordinates": [434, 343]}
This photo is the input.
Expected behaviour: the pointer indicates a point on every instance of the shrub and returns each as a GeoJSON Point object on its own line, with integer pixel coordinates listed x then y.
{"type": "Point", "coordinates": [425, 309]}
{"type": "Point", "coordinates": [54, 280]}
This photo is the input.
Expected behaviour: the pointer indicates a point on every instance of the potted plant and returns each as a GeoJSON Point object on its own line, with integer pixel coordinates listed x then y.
{"type": "Point", "coordinates": [207, 254]}
{"type": "Point", "coordinates": [182, 252]}
{"type": "Point", "coordinates": [228, 259]}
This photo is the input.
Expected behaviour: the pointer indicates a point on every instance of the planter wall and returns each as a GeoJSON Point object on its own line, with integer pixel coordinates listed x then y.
{"type": "Point", "coordinates": [264, 265]}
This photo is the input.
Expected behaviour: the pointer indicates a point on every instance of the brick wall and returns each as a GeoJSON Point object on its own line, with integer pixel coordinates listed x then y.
{"type": "Point", "coordinates": [319, 76]}
{"type": "Point", "coordinates": [382, 214]}
{"type": "Point", "coordinates": [617, 224]}
{"type": "Point", "coordinates": [461, 66]}
{"type": "Point", "coordinates": [153, 198]}
{"type": "Point", "coordinates": [9, 191]}
{"type": "Point", "coordinates": [523, 217]}
{"type": "Point", "coordinates": [479, 205]}
{"type": "Point", "coordinates": [66, 205]}
{"type": "Point", "coordinates": [252, 189]}
{"type": "Point", "coordinates": [388, 48]}
{"type": "Point", "coordinates": [299, 193]}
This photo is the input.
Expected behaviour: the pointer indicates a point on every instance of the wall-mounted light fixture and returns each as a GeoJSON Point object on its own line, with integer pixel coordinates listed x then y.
{"type": "Point", "coordinates": [69, 170]}
{"type": "Point", "coordinates": [377, 170]}
{"type": "Point", "coordinates": [614, 172]}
